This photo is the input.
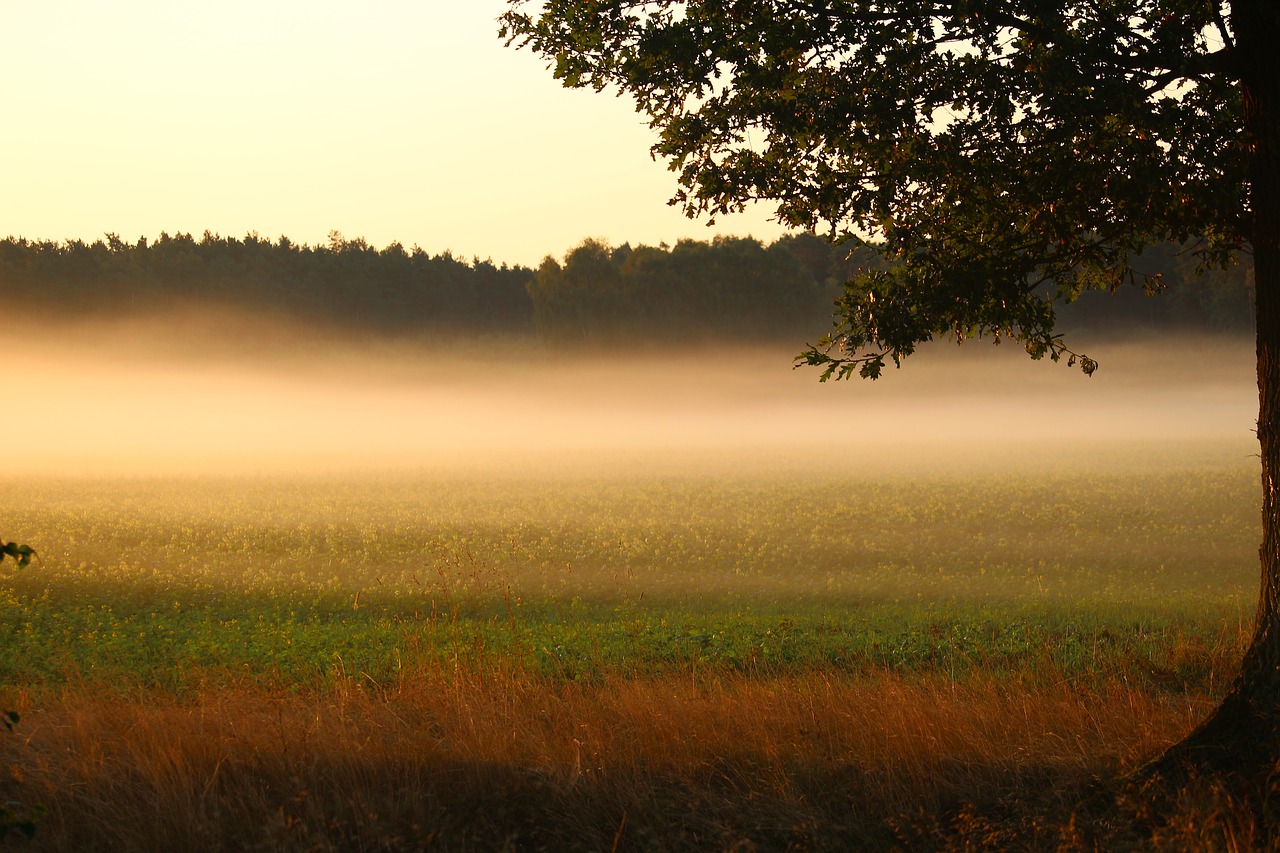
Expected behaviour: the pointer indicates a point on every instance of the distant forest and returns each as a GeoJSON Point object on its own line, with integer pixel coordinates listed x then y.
{"type": "Point", "coordinates": [728, 289]}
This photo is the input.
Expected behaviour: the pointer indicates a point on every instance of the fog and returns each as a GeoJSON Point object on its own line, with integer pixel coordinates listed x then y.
{"type": "Point", "coordinates": [203, 393]}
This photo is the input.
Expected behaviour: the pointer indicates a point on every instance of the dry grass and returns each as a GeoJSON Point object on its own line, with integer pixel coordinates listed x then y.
{"type": "Point", "coordinates": [486, 761]}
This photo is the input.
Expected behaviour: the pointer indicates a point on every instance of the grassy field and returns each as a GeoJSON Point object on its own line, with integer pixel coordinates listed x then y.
{"type": "Point", "coordinates": [676, 653]}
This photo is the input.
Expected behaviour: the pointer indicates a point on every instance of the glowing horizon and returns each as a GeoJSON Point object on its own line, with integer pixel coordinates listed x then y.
{"type": "Point", "coordinates": [394, 122]}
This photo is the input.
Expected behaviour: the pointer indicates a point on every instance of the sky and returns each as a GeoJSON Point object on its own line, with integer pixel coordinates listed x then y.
{"type": "Point", "coordinates": [408, 121]}
{"type": "Point", "coordinates": [391, 120]}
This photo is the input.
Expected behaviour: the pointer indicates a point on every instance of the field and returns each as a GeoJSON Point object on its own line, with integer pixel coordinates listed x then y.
{"type": "Point", "coordinates": [697, 651]}
{"type": "Point", "coordinates": [309, 593]}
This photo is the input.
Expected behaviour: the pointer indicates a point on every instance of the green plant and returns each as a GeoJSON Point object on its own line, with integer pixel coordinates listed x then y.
{"type": "Point", "coordinates": [21, 553]}
{"type": "Point", "coordinates": [13, 817]}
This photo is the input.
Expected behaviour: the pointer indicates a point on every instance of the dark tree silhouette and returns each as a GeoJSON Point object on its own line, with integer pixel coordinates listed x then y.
{"type": "Point", "coordinates": [1007, 155]}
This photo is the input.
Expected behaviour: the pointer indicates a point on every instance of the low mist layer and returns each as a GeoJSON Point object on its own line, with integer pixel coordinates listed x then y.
{"type": "Point", "coordinates": [203, 394]}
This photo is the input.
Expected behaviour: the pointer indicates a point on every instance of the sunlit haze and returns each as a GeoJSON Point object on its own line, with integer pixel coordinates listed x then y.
{"type": "Point", "coordinates": [393, 121]}
{"type": "Point", "coordinates": [209, 394]}
{"type": "Point", "coordinates": [412, 122]}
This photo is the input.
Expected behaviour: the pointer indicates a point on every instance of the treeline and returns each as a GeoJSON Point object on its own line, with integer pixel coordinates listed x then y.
{"type": "Point", "coordinates": [346, 282]}
{"type": "Point", "coordinates": [1214, 300]}
{"type": "Point", "coordinates": [739, 289]}
{"type": "Point", "coordinates": [729, 289]}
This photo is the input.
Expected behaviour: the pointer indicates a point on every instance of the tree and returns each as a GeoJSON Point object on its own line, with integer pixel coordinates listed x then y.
{"type": "Point", "coordinates": [1005, 155]}
{"type": "Point", "coordinates": [731, 289]}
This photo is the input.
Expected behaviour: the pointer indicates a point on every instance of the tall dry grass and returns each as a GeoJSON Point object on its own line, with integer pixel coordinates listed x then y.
{"type": "Point", "coordinates": [481, 761]}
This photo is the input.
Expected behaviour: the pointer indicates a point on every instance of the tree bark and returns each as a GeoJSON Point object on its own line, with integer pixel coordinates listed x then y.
{"type": "Point", "coordinates": [1242, 737]}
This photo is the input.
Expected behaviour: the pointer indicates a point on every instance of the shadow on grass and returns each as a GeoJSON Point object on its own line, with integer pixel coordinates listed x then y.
{"type": "Point", "coordinates": [374, 804]}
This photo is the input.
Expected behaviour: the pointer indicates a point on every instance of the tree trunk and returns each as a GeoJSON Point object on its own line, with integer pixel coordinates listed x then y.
{"type": "Point", "coordinates": [1242, 737]}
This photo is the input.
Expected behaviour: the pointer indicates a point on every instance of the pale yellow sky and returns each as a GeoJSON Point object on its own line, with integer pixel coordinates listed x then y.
{"type": "Point", "coordinates": [392, 120]}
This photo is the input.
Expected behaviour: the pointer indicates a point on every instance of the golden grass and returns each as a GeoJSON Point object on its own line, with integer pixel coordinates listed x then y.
{"type": "Point", "coordinates": [484, 761]}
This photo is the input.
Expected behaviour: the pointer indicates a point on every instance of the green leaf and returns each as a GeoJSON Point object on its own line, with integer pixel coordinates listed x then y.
{"type": "Point", "coordinates": [21, 553]}
{"type": "Point", "coordinates": [996, 161]}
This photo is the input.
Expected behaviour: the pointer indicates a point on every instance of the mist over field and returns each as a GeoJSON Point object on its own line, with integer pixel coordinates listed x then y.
{"type": "Point", "coordinates": [204, 393]}
{"type": "Point", "coordinates": [480, 561]}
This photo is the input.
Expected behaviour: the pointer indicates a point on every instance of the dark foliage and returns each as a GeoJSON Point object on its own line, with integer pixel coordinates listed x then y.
{"type": "Point", "coordinates": [727, 290]}
{"type": "Point", "coordinates": [346, 282]}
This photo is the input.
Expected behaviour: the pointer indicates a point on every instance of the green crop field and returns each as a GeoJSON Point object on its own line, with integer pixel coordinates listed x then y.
{"type": "Point", "coordinates": [1095, 604]}
{"type": "Point", "coordinates": [177, 581]}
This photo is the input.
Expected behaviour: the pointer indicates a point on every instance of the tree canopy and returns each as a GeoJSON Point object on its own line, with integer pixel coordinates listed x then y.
{"type": "Point", "coordinates": [731, 289]}
{"type": "Point", "coordinates": [345, 282]}
{"type": "Point", "coordinates": [734, 290]}
{"type": "Point", "coordinates": [1007, 154]}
